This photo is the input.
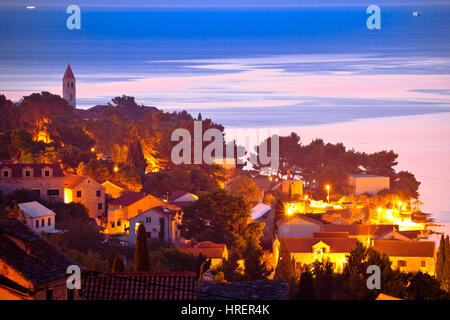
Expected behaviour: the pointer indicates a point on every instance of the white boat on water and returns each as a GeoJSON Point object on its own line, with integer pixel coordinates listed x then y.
{"type": "Point", "coordinates": [416, 13]}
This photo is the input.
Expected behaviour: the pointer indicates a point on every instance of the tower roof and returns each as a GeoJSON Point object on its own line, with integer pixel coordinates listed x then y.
{"type": "Point", "coordinates": [68, 74]}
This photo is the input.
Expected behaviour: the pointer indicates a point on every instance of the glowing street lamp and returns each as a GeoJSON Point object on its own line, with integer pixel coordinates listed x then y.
{"type": "Point", "coordinates": [92, 149]}
{"type": "Point", "coordinates": [400, 206]}
{"type": "Point", "coordinates": [116, 169]}
{"type": "Point", "coordinates": [379, 214]}
{"type": "Point", "coordinates": [289, 211]}
{"type": "Point", "coordinates": [328, 190]}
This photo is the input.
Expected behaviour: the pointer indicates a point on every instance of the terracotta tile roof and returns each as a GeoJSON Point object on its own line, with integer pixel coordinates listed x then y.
{"type": "Point", "coordinates": [254, 290]}
{"type": "Point", "coordinates": [383, 296]}
{"type": "Point", "coordinates": [304, 245]}
{"type": "Point", "coordinates": [140, 286]}
{"type": "Point", "coordinates": [399, 248]}
{"type": "Point", "coordinates": [207, 248]}
{"type": "Point", "coordinates": [41, 264]}
{"type": "Point", "coordinates": [359, 229]}
{"type": "Point", "coordinates": [72, 180]}
{"type": "Point", "coordinates": [330, 234]}
{"type": "Point", "coordinates": [37, 169]}
{"type": "Point", "coordinates": [300, 217]}
{"type": "Point", "coordinates": [128, 198]}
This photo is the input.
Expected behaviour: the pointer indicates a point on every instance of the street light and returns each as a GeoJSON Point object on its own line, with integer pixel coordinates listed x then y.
{"type": "Point", "coordinates": [116, 169]}
{"type": "Point", "coordinates": [328, 190]}
{"type": "Point", "coordinates": [379, 215]}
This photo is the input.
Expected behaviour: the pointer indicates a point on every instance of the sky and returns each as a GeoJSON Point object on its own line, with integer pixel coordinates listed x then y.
{"type": "Point", "coordinates": [213, 3]}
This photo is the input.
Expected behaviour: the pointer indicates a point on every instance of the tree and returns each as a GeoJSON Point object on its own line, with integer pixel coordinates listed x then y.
{"type": "Point", "coordinates": [406, 183]}
{"type": "Point", "coordinates": [306, 289]}
{"type": "Point", "coordinates": [222, 218]}
{"type": "Point", "coordinates": [230, 268]}
{"type": "Point", "coordinates": [118, 265]}
{"type": "Point", "coordinates": [255, 267]}
{"type": "Point", "coordinates": [424, 287]}
{"type": "Point", "coordinates": [245, 186]}
{"type": "Point", "coordinates": [440, 262]}
{"type": "Point", "coordinates": [285, 269]}
{"type": "Point", "coordinates": [141, 257]}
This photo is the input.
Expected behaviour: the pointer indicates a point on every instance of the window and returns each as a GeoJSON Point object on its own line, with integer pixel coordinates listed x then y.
{"type": "Point", "coordinates": [148, 220]}
{"type": "Point", "coordinates": [401, 263]}
{"type": "Point", "coordinates": [112, 224]}
{"type": "Point", "coordinates": [100, 206]}
{"type": "Point", "coordinates": [119, 222]}
{"type": "Point", "coordinates": [27, 173]}
{"type": "Point", "coordinates": [423, 263]}
{"type": "Point", "coordinates": [71, 84]}
{"type": "Point", "coordinates": [43, 223]}
{"type": "Point", "coordinates": [6, 174]}
{"type": "Point", "coordinates": [99, 193]}
{"type": "Point", "coordinates": [149, 235]}
{"type": "Point", "coordinates": [49, 294]}
{"type": "Point", "coordinates": [47, 173]}
{"type": "Point", "coordinates": [78, 194]}
{"type": "Point", "coordinates": [53, 192]}
{"type": "Point", "coordinates": [37, 223]}
{"type": "Point", "coordinates": [49, 222]}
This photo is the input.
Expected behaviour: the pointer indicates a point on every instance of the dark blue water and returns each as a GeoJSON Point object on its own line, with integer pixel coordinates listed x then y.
{"type": "Point", "coordinates": [134, 43]}
{"type": "Point", "coordinates": [37, 42]}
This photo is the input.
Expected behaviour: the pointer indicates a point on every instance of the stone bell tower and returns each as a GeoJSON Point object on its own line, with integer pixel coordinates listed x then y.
{"type": "Point", "coordinates": [69, 86]}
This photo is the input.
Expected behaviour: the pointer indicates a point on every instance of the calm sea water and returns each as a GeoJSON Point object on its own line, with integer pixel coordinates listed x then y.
{"type": "Point", "coordinates": [256, 68]}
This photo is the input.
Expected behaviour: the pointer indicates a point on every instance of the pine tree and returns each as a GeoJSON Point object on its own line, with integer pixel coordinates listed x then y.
{"type": "Point", "coordinates": [141, 256]}
{"type": "Point", "coordinates": [118, 265]}
{"type": "Point", "coordinates": [286, 265]}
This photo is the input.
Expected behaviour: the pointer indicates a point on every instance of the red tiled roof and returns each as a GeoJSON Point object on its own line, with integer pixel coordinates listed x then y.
{"type": "Point", "coordinates": [330, 234]}
{"type": "Point", "coordinates": [127, 198]}
{"type": "Point", "coordinates": [68, 74]}
{"type": "Point", "coordinates": [41, 264]}
{"type": "Point", "coordinates": [140, 286]}
{"type": "Point", "coordinates": [304, 245]}
{"type": "Point", "coordinates": [399, 248]}
{"type": "Point", "coordinates": [207, 248]}
{"type": "Point", "coordinates": [72, 180]}
{"type": "Point", "coordinates": [37, 169]}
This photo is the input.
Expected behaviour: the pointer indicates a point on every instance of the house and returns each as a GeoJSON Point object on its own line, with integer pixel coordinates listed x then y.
{"type": "Point", "coordinates": [409, 256]}
{"type": "Point", "coordinates": [366, 183]}
{"type": "Point", "coordinates": [127, 206]}
{"type": "Point", "coordinates": [292, 187]}
{"type": "Point", "coordinates": [140, 286]}
{"type": "Point", "coordinates": [46, 180]}
{"type": "Point", "coordinates": [263, 213]}
{"type": "Point", "coordinates": [112, 190]}
{"type": "Point", "coordinates": [181, 197]}
{"type": "Point", "coordinates": [37, 217]}
{"type": "Point", "coordinates": [213, 251]}
{"type": "Point", "coordinates": [298, 226]}
{"type": "Point", "coordinates": [308, 250]}
{"type": "Point", "coordinates": [30, 267]}
{"type": "Point", "coordinates": [87, 191]}
{"type": "Point", "coordinates": [267, 185]}
{"type": "Point", "coordinates": [160, 222]}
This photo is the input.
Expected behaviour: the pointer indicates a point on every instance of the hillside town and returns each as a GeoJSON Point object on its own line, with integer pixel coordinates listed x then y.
{"type": "Point", "coordinates": [96, 189]}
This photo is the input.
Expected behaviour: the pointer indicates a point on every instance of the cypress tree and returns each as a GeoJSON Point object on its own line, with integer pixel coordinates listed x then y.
{"type": "Point", "coordinates": [440, 260]}
{"type": "Point", "coordinates": [141, 256]}
{"type": "Point", "coordinates": [306, 290]}
{"type": "Point", "coordinates": [446, 267]}
{"type": "Point", "coordinates": [255, 267]}
{"type": "Point", "coordinates": [286, 265]}
{"type": "Point", "coordinates": [118, 265]}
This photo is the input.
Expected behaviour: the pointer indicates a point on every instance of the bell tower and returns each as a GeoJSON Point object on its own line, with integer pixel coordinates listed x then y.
{"type": "Point", "coordinates": [69, 86]}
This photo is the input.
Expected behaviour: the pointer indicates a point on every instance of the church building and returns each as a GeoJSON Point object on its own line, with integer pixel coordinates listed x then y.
{"type": "Point", "coordinates": [69, 86]}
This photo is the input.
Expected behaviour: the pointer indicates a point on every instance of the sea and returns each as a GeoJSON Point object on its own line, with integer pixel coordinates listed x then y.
{"type": "Point", "coordinates": [316, 70]}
